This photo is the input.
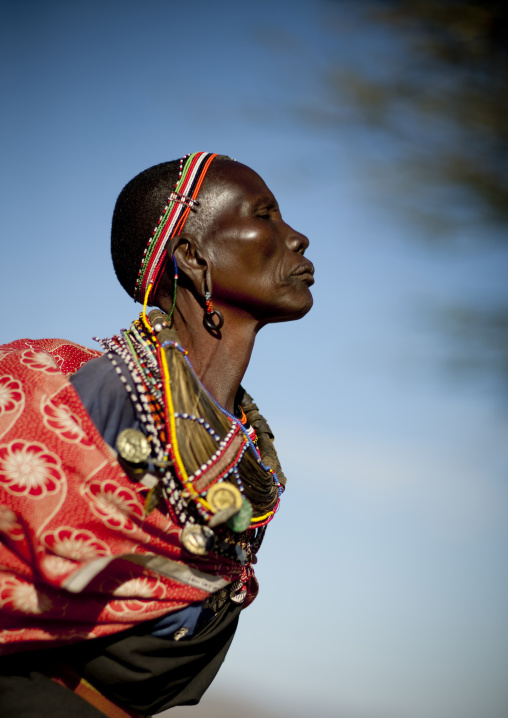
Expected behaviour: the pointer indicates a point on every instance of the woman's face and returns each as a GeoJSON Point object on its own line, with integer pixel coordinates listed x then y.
{"type": "Point", "coordinates": [255, 259]}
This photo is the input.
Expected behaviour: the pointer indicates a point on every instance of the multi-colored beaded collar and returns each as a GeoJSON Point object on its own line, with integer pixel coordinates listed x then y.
{"type": "Point", "coordinates": [193, 169]}
{"type": "Point", "coordinates": [207, 468]}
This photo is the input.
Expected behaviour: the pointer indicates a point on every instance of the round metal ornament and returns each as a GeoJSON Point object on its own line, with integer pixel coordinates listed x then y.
{"type": "Point", "coordinates": [198, 539]}
{"type": "Point", "coordinates": [133, 446]}
{"type": "Point", "coordinates": [224, 496]}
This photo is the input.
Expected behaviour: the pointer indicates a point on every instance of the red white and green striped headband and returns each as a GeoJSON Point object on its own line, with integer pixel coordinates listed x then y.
{"type": "Point", "coordinates": [193, 169]}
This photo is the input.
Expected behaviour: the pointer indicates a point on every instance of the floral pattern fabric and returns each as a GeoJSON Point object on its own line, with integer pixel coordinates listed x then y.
{"type": "Point", "coordinates": [66, 507]}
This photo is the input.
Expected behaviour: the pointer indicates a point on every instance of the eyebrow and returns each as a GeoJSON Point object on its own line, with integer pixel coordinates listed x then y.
{"type": "Point", "coordinates": [265, 201]}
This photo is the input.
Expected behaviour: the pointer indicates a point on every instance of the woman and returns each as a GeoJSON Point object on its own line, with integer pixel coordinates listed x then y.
{"type": "Point", "coordinates": [147, 551]}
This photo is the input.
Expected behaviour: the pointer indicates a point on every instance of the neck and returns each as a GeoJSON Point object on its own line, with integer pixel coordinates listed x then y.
{"type": "Point", "coordinates": [219, 361]}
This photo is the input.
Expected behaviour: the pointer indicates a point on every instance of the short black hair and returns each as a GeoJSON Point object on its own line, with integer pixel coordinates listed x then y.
{"type": "Point", "coordinates": [137, 211]}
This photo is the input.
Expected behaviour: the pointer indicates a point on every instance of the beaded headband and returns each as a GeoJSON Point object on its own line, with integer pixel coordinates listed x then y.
{"type": "Point", "coordinates": [171, 222]}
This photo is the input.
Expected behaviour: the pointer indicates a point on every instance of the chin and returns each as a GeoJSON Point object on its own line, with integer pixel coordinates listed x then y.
{"type": "Point", "coordinates": [291, 314]}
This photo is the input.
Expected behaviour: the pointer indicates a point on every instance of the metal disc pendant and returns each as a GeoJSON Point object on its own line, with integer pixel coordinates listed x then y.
{"type": "Point", "coordinates": [224, 496]}
{"type": "Point", "coordinates": [241, 521]}
{"type": "Point", "coordinates": [198, 539]}
{"type": "Point", "coordinates": [133, 446]}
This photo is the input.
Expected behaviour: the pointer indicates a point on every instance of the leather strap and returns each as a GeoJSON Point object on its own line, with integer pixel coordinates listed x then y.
{"type": "Point", "coordinates": [82, 688]}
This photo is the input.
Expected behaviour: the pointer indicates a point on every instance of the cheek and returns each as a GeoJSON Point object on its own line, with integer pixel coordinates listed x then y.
{"type": "Point", "coordinates": [261, 248]}
{"type": "Point", "coordinates": [248, 282]}
{"type": "Point", "coordinates": [248, 253]}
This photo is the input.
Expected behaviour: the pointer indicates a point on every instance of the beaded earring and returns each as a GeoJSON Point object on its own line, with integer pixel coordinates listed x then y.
{"type": "Point", "coordinates": [175, 289]}
{"type": "Point", "coordinates": [210, 313]}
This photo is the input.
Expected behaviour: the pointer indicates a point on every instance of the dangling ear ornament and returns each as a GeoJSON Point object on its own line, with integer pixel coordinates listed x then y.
{"type": "Point", "coordinates": [175, 289]}
{"type": "Point", "coordinates": [210, 313]}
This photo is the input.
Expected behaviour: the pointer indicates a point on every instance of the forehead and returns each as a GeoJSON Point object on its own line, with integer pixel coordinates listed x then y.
{"type": "Point", "coordinates": [232, 185]}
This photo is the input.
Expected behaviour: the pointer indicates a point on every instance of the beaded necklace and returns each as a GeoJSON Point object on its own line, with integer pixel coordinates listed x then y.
{"type": "Point", "coordinates": [185, 490]}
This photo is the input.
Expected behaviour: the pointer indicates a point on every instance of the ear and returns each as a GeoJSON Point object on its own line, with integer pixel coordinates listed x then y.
{"type": "Point", "coordinates": [191, 262]}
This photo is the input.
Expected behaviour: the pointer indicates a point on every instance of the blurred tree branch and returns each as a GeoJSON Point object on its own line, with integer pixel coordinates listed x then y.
{"type": "Point", "coordinates": [442, 101]}
{"type": "Point", "coordinates": [445, 101]}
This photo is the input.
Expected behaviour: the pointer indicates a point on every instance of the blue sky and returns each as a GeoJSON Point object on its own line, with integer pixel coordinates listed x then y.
{"type": "Point", "coordinates": [383, 580]}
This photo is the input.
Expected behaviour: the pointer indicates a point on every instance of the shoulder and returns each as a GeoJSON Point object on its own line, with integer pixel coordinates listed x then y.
{"type": "Point", "coordinates": [104, 396]}
{"type": "Point", "coordinates": [99, 370]}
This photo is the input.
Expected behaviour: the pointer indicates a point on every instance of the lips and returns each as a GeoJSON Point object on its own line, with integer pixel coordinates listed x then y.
{"type": "Point", "coordinates": [305, 272]}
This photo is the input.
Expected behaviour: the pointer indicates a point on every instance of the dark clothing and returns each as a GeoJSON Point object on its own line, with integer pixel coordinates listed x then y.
{"type": "Point", "coordinates": [28, 694]}
{"type": "Point", "coordinates": [135, 670]}
{"type": "Point", "coordinates": [150, 674]}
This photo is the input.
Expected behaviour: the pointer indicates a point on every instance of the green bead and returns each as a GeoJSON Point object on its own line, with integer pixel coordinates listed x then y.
{"type": "Point", "coordinates": [241, 521]}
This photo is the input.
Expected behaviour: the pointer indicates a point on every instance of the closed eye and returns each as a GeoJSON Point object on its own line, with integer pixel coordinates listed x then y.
{"type": "Point", "coordinates": [268, 213]}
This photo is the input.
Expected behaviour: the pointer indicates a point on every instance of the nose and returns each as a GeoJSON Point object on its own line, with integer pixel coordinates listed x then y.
{"type": "Point", "coordinates": [296, 241]}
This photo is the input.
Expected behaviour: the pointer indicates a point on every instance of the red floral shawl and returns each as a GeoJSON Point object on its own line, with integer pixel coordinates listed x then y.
{"type": "Point", "coordinates": [78, 557]}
